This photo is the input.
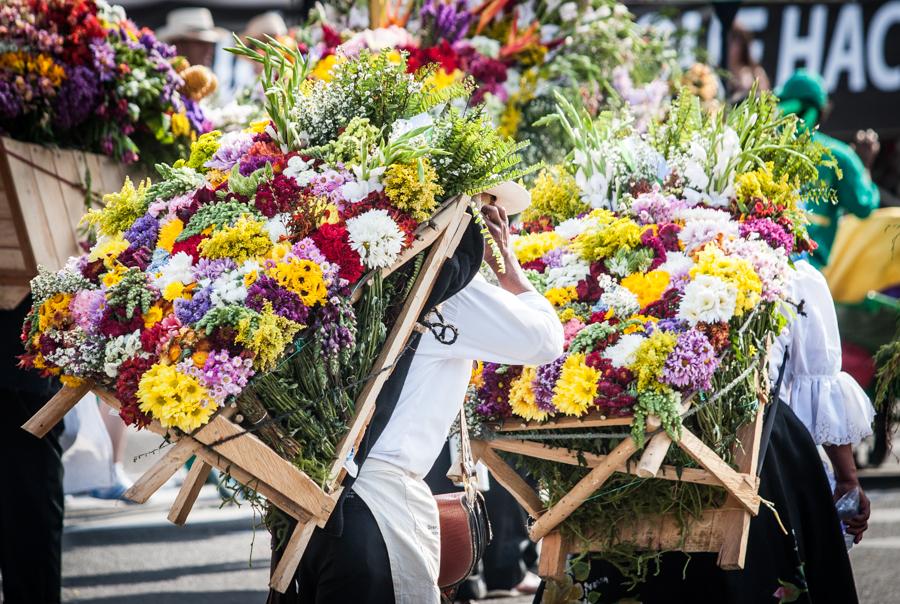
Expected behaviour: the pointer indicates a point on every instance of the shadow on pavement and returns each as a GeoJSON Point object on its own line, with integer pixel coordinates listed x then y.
{"type": "Point", "coordinates": [157, 533]}
{"type": "Point", "coordinates": [161, 574]}
{"type": "Point", "coordinates": [180, 597]}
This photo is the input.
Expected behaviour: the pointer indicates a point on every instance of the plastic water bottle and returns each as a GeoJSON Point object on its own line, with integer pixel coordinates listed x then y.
{"type": "Point", "coordinates": [848, 507]}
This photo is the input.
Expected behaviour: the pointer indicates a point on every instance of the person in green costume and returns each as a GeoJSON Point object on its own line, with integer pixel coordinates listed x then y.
{"type": "Point", "coordinates": [804, 95]}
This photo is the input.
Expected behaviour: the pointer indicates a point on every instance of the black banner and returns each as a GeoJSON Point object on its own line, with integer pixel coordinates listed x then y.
{"type": "Point", "coordinates": [855, 46]}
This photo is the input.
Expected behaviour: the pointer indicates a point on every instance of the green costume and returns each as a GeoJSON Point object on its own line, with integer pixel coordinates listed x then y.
{"type": "Point", "coordinates": [804, 95]}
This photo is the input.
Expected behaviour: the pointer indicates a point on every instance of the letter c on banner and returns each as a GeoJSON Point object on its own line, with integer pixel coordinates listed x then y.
{"type": "Point", "coordinates": [883, 76]}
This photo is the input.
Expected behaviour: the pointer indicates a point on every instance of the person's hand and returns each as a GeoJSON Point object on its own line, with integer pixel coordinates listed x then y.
{"type": "Point", "coordinates": [498, 227]}
{"type": "Point", "coordinates": [857, 525]}
{"type": "Point", "coordinates": [867, 145]}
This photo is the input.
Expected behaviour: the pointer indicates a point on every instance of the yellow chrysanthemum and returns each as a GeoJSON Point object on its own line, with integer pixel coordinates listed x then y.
{"type": "Point", "coordinates": [173, 398]}
{"type": "Point", "coordinates": [246, 239]}
{"type": "Point", "coordinates": [477, 378]}
{"type": "Point", "coordinates": [71, 381]}
{"type": "Point", "coordinates": [168, 233]}
{"type": "Point", "coordinates": [737, 271]}
{"type": "Point", "coordinates": [153, 316]}
{"type": "Point", "coordinates": [576, 388]}
{"type": "Point", "coordinates": [440, 79]}
{"type": "Point", "coordinates": [648, 287]}
{"type": "Point", "coordinates": [181, 125]}
{"type": "Point", "coordinates": [643, 319]}
{"type": "Point", "coordinates": [560, 296]}
{"type": "Point", "coordinates": [534, 245]}
{"type": "Point", "coordinates": [108, 249]}
{"type": "Point", "coordinates": [174, 291]}
{"type": "Point", "coordinates": [650, 358]}
{"type": "Point", "coordinates": [303, 277]}
{"type": "Point", "coordinates": [324, 68]}
{"type": "Point", "coordinates": [114, 275]}
{"type": "Point", "coordinates": [521, 397]}
{"type": "Point", "coordinates": [54, 312]}
{"type": "Point", "coordinates": [567, 315]}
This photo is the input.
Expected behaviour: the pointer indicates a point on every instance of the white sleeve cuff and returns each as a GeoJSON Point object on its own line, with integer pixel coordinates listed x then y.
{"type": "Point", "coordinates": [834, 409]}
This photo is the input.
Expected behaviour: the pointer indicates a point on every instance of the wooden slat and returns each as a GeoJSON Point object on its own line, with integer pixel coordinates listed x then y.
{"type": "Point", "coordinates": [51, 202]}
{"type": "Point", "coordinates": [12, 295]}
{"type": "Point", "coordinates": [12, 260]}
{"type": "Point", "coordinates": [509, 478]}
{"type": "Point", "coordinates": [55, 409]}
{"type": "Point", "coordinates": [20, 185]}
{"type": "Point", "coordinates": [554, 550]}
{"type": "Point", "coordinates": [163, 470]}
{"type": "Point", "coordinates": [190, 490]}
{"type": "Point", "coordinates": [591, 420]}
{"type": "Point", "coordinates": [398, 337]}
{"type": "Point", "coordinates": [741, 486]}
{"type": "Point", "coordinates": [70, 165]}
{"type": "Point", "coordinates": [290, 559]}
{"type": "Point", "coordinates": [571, 457]}
{"type": "Point", "coordinates": [251, 454]}
{"type": "Point", "coordinates": [9, 238]}
{"type": "Point", "coordinates": [582, 490]}
{"type": "Point", "coordinates": [661, 533]}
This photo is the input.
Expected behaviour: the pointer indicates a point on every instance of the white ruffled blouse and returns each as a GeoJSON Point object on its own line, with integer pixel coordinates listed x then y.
{"type": "Point", "coordinates": [829, 402]}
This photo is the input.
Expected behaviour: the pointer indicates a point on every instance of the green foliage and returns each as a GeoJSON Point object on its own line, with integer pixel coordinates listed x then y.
{"type": "Point", "coordinates": [247, 185]}
{"type": "Point", "coordinates": [225, 316]}
{"type": "Point", "coordinates": [131, 293]}
{"type": "Point", "coordinates": [665, 405]}
{"type": "Point", "coordinates": [173, 181]}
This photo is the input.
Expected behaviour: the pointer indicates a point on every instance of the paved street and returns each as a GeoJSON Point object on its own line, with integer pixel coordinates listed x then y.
{"type": "Point", "coordinates": [128, 554]}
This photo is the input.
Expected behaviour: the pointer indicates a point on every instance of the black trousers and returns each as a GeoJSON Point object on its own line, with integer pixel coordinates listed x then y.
{"type": "Point", "coordinates": [31, 505]}
{"type": "Point", "coordinates": [353, 567]}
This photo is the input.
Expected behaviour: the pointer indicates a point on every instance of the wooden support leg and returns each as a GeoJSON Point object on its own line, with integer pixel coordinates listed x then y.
{"type": "Point", "coordinates": [581, 491]}
{"type": "Point", "coordinates": [741, 486]}
{"type": "Point", "coordinates": [55, 409]}
{"type": "Point", "coordinates": [290, 558]}
{"type": "Point", "coordinates": [509, 478]}
{"type": "Point", "coordinates": [154, 478]}
{"type": "Point", "coordinates": [653, 456]}
{"type": "Point", "coordinates": [187, 496]}
{"type": "Point", "coordinates": [554, 551]}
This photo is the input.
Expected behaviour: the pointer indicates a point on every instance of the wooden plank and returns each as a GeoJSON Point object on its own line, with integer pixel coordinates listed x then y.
{"type": "Point", "coordinates": [733, 553]}
{"type": "Point", "coordinates": [742, 486]}
{"type": "Point", "coordinates": [582, 490]}
{"type": "Point", "coordinates": [591, 420]}
{"type": "Point", "coordinates": [284, 572]}
{"type": "Point", "coordinates": [164, 469]}
{"type": "Point", "coordinates": [661, 533]}
{"type": "Point", "coordinates": [247, 451]}
{"type": "Point", "coordinates": [396, 340]}
{"type": "Point", "coordinates": [15, 193]}
{"type": "Point", "coordinates": [509, 478]}
{"type": "Point", "coordinates": [12, 260]}
{"type": "Point", "coordinates": [189, 491]}
{"type": "Point", "coordinates": [571, 457]}
{"type": "Point", "coordinates": [50, 200]}
{"type": "Point", "coordinates": [12, 295]}
{"type": "Point", "coordinates": [55, 409]}
{"type": "Point", "coordinates": [9, 238]}
{"type": "Point", "coordinates": [554, 550]}
{"type": "Point", "coordinates": [70, 165]}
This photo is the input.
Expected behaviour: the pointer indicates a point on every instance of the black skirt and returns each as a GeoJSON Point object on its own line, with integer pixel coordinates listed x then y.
{"type": "Point", "coordinates": [809, 564]}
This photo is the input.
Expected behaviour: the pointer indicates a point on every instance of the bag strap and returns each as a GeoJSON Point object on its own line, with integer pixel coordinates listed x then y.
{"type": "Point", "coordinates": [771, 412]}
{"type": "Point", "coordinates": [464, 469]}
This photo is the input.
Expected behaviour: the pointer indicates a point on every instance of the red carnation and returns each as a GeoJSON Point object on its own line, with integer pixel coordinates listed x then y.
{"type": "Point", "coordinates": [334, 243]}
{"type": "Point", "coordinates": [189, 246]}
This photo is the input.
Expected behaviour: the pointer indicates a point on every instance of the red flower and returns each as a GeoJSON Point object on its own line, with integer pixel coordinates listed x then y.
{"type": "Point", "coordinates": [333, 241]}
{"type": "Point", "coordinates": [115, 322]}
{"type": "Point", "coordinates": [442, 54]}
{"type": "Point", "coordinates": [189, 246]}
{"type": "Point", "coordinates": [130, 373]}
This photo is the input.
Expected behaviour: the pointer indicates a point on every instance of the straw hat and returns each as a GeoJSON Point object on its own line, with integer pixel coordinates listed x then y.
{"type": "Point", "coordinates": [267, 24]}
{"type": "Point", "coordinates": [511, 196]}
{"type": "Point", "coordinates": [191, 24]}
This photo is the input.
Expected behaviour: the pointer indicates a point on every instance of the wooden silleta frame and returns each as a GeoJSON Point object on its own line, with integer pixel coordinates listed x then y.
{"type": "Point", "coordinates": [723, 530]}
{"type": "Point", "coordinates": [222, 443]}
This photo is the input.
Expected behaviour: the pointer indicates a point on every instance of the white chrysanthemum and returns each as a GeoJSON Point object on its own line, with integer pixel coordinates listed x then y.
{"type": "Point", "coordinates": [178, 268]}
{"type": "Point", "coordinates": [572, 270]}
{"type": "Point", "coordinates": [572, 228]}
{"type": "Point", "coordinates": [677, 264]}
{"type": "Point", "coordinates": [702, 225]}
{"type": "Point", "coordinates": [355, 191]}
{"type": "Point", "coordinates": [707, 299]}
{"type": "Point", "coordinates": [300, 170]}
{"type": "Point", "coordinates": [118, 349]}
{"type": "Point", "coordinates": [623, 302]}
{"type": "Point", "coordinates": [622, 353]}
{"type": "Point", "coordinates": [277, 227]}
{"type": "Point", "coordinates": [376, 238]}
{"type": "Point", "coordinates": [228, 288]}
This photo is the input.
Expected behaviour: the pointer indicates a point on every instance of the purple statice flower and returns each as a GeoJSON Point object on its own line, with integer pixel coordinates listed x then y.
{"type": "Point", "coordinates": [284, 303]}
{"type": "Point", "coordinates": [10, 101]}
{"type": "Point", "coordinates": [670, 325]}
{"type": "Point", "coordinates": [494, 390]}
{"type": "Point", "coordinates": [251, 163]}
{"type": "Point", "coordinates": [445, 20]}
{"type": "Point", "coordinates": [306, 249]}
{"type": "Point", "coordinates": [771, 232]}
{"type": "Point", "coordinates": [77, 97]}
{"type": "Point", "coordinates": [553, 258]}
{"type": "Point", "coordinates": [191, 311]}
{"type": "Point", "coordinates": [104, 60]}
{"type": "Point", "coordinates": [330, 327]}
{"type": "Point", "coordinates": [232, 146]}
{"type": "Point", "coordinates": [691, 363]}
{"type": "Point", "coordinates": [544, 382]}
{"type": "Point", "coordinates": [655, 207]}
{"type": "Point", "coordinates": [143, 232]}
{"type": "Point", "coordinates": [196, 117]}
{"type": "Point", "coordinates": [207, 270]}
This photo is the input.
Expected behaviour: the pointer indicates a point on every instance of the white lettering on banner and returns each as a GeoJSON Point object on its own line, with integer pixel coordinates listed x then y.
{"type": "Point", "coordinates": [796, 48]}
{"type": "Point", "coordinates": [846, 50]}
{"type": "Point", "coordinates": [882, 75]}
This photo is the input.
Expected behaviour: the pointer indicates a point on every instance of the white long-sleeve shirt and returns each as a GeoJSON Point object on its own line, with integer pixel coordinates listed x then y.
{"type": "Point", "coordinates": [829, 402]}
{"type": "Point", "coordinates": [494, 326]}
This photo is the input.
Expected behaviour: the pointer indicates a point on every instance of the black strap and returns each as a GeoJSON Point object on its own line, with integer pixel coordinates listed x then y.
{"type": "Point", "coordinates": [771, 412]}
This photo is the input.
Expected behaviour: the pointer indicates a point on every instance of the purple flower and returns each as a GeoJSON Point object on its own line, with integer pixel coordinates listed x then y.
{"type": "Point", "coordinates": [443, 20]}
{"type": "Point", "coordinates": [544, 383]}
{"type": "Point", "coordinates": [772, 233]}
{"type": "Point", "coordinates": [191, 311]}
{"type": "Point", "coordinates": [553, 258]}
{"type": "Point", "coordinates": [77, 98]}
{"type": "Point", "coordinates": [195, 116]}
{"type": "Point", "coordinates": [104, 60]}
{"type": "Point", "coordinates": [306, 249]}
{"type": "Point", "coordinates": [143, 232]}
{"type": "Point", "coordinates": [252, 163]}
{"type": "Point", "coordinates": [654, 207]}
{"type": "Point", "coordinates": [232, 147]}
{"type": "Point", "coordinates": [331, 327]}
{"type": "Point", "coordinates": [285, 303]}
{"type": "Point", "coordinates": [10, 101]}
{"type": "Point", "coordinates": [692, 362]}
{"type": "Point", "coordinates": [494, 391]}
{"type": "Point", "coordinates": [211, 270]}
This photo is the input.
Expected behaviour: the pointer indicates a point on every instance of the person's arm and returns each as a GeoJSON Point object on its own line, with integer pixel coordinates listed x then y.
{"type": "Point", "coordinates": [842, 461]}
